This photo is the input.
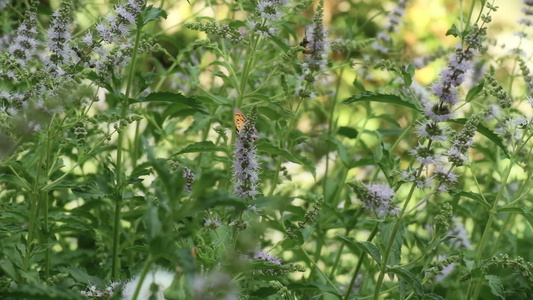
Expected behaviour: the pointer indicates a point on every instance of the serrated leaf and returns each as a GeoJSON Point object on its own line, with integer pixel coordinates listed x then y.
{"type": "Point", "coordinates": [192, 102]}
{"type": "Point", "coordinates": [475, 91]}
{"type": "Point", "coordinates": [496, 286]}
{"type": "Point", "coordinates": [152, 13]}
{"type": "Point", "coordinates": [396, 251]}
{"type": "Point", "coordinates": [20, 182]}
{"type": "Point", "coordinates": [383, 98]}
{"type": "Point", "coordinates": [364, 246]}
{"type": "Point", "coordinates": [80, 275]}
{"type": "Point", "coordinates": [474, 196]}
{"type": "Point", "coordinates": [91, 191]}
{"type": "Point", "coordinates": [205, 146]}
{"type": "Point", "coordinates": [308, 164]}
{"type": "Point", "coordinates": [434, 296]}
{"type": "Point", "coordinates": [487, 133]}
{"type": "Point", "coordinates": [453, 31]}
{"type": "Point", "coordinates": [61, 185]}
{"type": "Point", "coordinates": [410, 278]}
{"type": "Point", "coordinates": [40, 292]}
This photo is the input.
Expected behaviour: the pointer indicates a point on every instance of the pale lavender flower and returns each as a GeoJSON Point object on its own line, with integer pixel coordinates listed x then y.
{"type": "Point", "coordinates": [445, 177]}
{"type": "Point", "coordinates": [446, 88]}
{"type": "Point", "coordinates": [87, 39]}
{"type": "Point", "coordinates": [114, 31]}
{"type": "Point", "coordinates": [463, 140]}
{"type": "Point", "coordinates": [261, 255]}
{"type": "Point", "coordinates": [189, 177]}
{"type": "Point", "coordinates": [24, 44]}
{"type": "Point", "coordinates": [376, 197]}
{"type": "Point", "coordinates": [245, 166]}
{"type": "Point", "coordinates": [59, 39]}
{"type": "Point", "coordinates": [423, 182]}
{"type": "Point", "coordinates": [408, 175]}
{"type": "Point", "coordinates": [93, 292]}
{"type": "Point", "coordinates": [424, 155]}
{"type": "Point", "coordinates": [212, 223]}
{"type": "Point", "coordinates": [433, 131]}
{"type": "Point", "coordinates": [316, 54]}
{"type": "Point", "coordinates": [383, 38]}
{"type": "Point", "coordinates": [4, 4]}
{"type": "Point", "coordinates": [269, 9]}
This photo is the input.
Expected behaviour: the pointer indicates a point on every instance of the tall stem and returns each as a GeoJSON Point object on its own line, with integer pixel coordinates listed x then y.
{"type": "Point", "coordinates": [359, 264]}
{"type": "Point", "coordinates": [282, 145]}
{"type": "Point", "coordinates": [145, 270]}
{"type": "Point", "coordinates": [488, 227]}
{"type": "Point", "coordinates": [393, 236]}
{"type": "Point", "coordinates": [120, 180]}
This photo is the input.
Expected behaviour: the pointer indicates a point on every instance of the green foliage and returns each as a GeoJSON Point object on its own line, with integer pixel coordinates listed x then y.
{"type": "Point", "coordinates": [263, 150]}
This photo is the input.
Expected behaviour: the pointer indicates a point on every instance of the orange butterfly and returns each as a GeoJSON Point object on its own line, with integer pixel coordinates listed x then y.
{"type": "Point", "coordinates": [239, 118]}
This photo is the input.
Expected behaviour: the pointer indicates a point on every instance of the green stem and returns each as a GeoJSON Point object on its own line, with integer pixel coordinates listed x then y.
{"type": "Point", "coordinates": [360, 263]}
{"type": "Point", "coordinates": [318, 269]}
{"type": "Point", "coordinates": [120, 180]}
{"type": "Point", "coordinates": [282, 145]}
{"type": "Point", "coordinates": [145, 270]}
{"type": "Point", "coordinates": [393, 236]}
{"type": "Point", "coordinates": [246, 72]}
{"type": "Point", "coordinates": [330, 130]}
{"type": "Point", "coordinates": [486, 232]}
{"type": "Point", "coordinates": [34, 212]}
{"type": "Point", "coordinates": [44, 197]}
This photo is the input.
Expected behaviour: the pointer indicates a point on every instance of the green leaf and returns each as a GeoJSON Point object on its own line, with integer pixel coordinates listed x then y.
{"type": "Point", "coordinates": [295, 158]}
{"type": "Point", "coordinates": [71, 223]}
{"type": "Point", "coordinates": [170, 97]}
{"type": "Point", "coordinates": [61, 185]}
{"type": "Point", "coordinates": [408, 74]}
{"type": "Point", "coordinates": [474, 196]}
{"type": "Point", "coordinates": [343, 154]}
{"type": "Point", "coordinates": [91, 191]}
{"type": "Point", "coordinates": [39, 292]}
{"type": "Point", "coordinates": [205, 146]}
{"type": "Point", "coordinates": [364, 246]}
{"type": "Point", "coordinates": [20, 182]}
{"type": "Point", "coordinates": [80, 275]}
{"type": "Point", "coordinates": [475, 91]}
{"type": "Point", "coordinates": [384, 98]}
{"type": "Point", "coordinates": [410, 278]}
{"type": "Point", "coordinates": [526, 213]}
{"type": "Point", "coordinates": [152, 13]}
{"type": "Point", "coordinates": [141, 170]}
{"type": "Point", "coordinates": [348, 132]}
{"type": "Point", "coordinates": [152, 221]}
{"type": "Point", "coordinates": [433, 296]}
{"type": "Point", "coordinates": [496, 286]}
{"type": "Point", "coordinates": [453, 31]}
{"type": "Point", "coordinates": [386, 232]}
{"type": "Point", "coordinates": [222, 237]}
{"type": "Point", "coordinates": [487, 133]}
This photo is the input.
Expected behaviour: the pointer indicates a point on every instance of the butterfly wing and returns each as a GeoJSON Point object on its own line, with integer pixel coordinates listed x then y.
{"type": "Point", "coordinates": [238, 118]}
